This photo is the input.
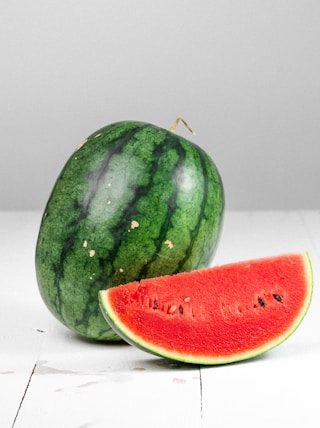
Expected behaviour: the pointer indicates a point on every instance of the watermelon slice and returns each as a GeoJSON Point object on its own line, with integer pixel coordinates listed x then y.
{"type": "Point", "coordinates": [216, 315]}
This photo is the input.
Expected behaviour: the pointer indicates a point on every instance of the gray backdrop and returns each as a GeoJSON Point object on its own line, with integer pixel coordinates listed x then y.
{"type": "Point", "coordinates": [244, 74]}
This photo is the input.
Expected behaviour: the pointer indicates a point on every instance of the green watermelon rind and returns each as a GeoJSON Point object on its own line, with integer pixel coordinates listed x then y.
{"type": "Point", "coordinates": [132, 339]}
{"type": "Point", "coordinates": [126, 168]}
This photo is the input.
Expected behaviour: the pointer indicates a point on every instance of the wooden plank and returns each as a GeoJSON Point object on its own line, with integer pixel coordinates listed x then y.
{"type": "Point", "coordinates": [23, 316]}
{"type": "Point", "coordinates": [311, 222]}
{"type": "Point", "coordinates": [249, 235]}
{"type": "Point", "coordinates": [276, 389]}
{"type": "Point", "coordinates": [80, 383]}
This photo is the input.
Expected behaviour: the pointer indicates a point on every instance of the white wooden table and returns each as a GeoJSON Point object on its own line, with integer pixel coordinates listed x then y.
{"type": "Point", "coordinates": [49, 377]}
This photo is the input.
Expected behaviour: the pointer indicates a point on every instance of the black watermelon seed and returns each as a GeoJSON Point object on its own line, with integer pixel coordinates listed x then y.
{"type": "Point", "coordinates": [261, 302]}
{"type": "Point", "coordinates": [180, 310]}
{"type": "Point", "coordinates": [277, 297]}
{"type": "Point", "coordinates": [155, 304]}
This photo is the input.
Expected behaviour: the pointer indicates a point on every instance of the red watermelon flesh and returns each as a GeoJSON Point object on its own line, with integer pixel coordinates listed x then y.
{"type": "Point", "coordinates": [216, 315]}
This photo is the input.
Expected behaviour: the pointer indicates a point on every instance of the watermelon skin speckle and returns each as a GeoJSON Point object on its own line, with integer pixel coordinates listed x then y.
{"type": "Point", "coordinates": [133, 201]}
{"type": "Point", "coordinates": [217, 315]}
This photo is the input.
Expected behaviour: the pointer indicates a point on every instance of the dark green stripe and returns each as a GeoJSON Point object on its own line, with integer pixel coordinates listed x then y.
{"type": "Point", "coordinates": [172, 201]}
{"type": "Point", "coordinates": [194, 232]}
{"type": "Point", "coordinates": [97, 176]}
{"type": "Point", "coordinates": [95, 179]}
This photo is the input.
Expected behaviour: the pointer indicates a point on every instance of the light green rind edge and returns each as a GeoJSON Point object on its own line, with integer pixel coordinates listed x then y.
{"type": "Point", "coordinates": [134, 340]}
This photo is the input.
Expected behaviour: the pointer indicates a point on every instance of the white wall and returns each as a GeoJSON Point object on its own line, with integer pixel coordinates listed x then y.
{"type": "Point", "coordinates": [245, 74]}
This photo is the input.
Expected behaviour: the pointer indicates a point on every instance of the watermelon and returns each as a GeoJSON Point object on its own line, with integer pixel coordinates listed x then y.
{"type": "Point", "coordinates": [133, 201]}
{"type": "Point", "coordinates": [216, 315]}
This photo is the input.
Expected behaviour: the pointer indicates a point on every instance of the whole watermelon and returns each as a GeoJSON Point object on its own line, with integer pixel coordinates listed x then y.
{"type": "Point", "coordinates": [133, 201]}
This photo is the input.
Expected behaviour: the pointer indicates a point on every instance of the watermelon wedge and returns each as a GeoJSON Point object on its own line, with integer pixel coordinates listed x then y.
{"type": "Point", "coordinates": [216, 315]}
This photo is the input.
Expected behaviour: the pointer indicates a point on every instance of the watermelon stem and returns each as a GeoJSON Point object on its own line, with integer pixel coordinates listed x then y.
{"type": "Point", "coordinates": [178, 120]}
